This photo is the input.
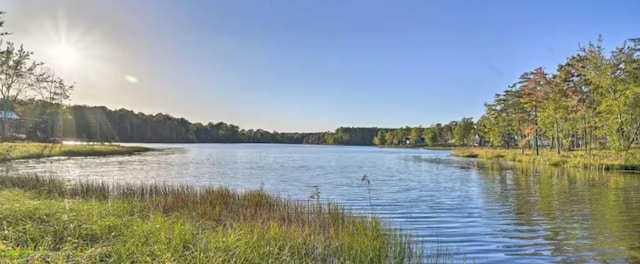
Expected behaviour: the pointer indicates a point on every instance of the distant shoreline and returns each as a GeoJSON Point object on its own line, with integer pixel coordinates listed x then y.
{"type": "Point", "coordinates": [72, 142]}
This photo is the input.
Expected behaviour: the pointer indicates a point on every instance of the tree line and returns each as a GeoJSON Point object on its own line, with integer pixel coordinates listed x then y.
{"type": "Point", "coordinates": [455, 133]}
{"type": "Point", "coordinates": [101, 124]}
{"type": "Point", "coordinates": [360, 136]}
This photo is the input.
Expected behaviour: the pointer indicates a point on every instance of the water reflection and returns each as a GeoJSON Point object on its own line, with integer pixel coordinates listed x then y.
{"type": "Point", "coordinates": [576, 215]}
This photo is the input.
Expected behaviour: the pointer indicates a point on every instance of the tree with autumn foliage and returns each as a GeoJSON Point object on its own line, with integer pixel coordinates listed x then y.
{"type": "Point", "coordinates": [592, 100]}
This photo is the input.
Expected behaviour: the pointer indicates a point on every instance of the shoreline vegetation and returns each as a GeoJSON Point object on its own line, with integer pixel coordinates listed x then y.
{"type": "Point", "coordinates": [47, 220]}
{"type": "Point", "coordinates": [596, 159]}
{"type": "Point", "coordinates": [33, 150]}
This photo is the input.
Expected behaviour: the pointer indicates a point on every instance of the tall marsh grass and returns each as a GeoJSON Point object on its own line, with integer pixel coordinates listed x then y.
{"type": "Point", "coordinates": [45, 220]}
{"type": "Point", "coordinates": [596, 159]}
{"type": "Point", "coordinates": [32, 150]}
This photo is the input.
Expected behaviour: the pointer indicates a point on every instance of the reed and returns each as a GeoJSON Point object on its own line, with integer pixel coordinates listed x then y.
{"type": "Point", "coordinates": [47, 220]}
{"type": "Point", "coordinates": [365, 179]}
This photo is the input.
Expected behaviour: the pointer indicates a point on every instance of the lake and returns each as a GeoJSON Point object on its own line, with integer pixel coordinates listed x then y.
{"type": "Point", "coordinates": [484, 211]}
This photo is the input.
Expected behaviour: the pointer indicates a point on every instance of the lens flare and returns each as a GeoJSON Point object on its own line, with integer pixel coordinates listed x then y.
{"type": "Point", "coordinates": [131, 79]}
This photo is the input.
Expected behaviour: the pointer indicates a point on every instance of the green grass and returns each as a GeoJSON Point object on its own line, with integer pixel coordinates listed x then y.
{"type": "Point", "coordinates": [15, 151]}
{"type": "Point", "coordinates": [45, 220]}
{"type": "Point", "coordinates": [596, 159]}
{"type": "Point", "coordinates": [466, 153]}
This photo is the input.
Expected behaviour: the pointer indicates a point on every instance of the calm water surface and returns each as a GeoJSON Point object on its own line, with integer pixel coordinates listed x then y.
{"type": "Point", "coordinates": [487, 212]}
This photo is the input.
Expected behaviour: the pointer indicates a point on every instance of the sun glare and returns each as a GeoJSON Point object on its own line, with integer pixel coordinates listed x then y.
{"type": "Point", "coordinates": [79, 50]}
{"type": "Point", "coordinates": [65, 55]}
{"type": "Point", "coordinates": [73, 51]}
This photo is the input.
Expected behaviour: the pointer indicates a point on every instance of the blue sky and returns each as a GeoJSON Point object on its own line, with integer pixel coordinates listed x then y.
{"type": "Point", "coordinates": [311, 65]}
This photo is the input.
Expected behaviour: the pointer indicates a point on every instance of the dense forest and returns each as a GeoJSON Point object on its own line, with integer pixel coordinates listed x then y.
{"type": "Point", "coordinates": [361, 136]}
{"type": "Point", "coordinates": [100, 124]}
{"type": "Point", "coordinates": [455, 133]}
{"type": "Point", "coordinates": [42, 121]}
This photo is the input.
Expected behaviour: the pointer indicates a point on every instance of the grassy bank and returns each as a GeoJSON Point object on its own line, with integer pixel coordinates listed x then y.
{"type": "Point", "coordinates": [15, 151]}
{"type": "Point", "coordinates": [48, 221]}
{"type": "Point", "coordinates": [597, 159]}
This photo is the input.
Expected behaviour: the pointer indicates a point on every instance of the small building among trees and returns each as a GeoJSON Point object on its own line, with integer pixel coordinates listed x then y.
{"type": "Point", "coordinates": [7, 121]}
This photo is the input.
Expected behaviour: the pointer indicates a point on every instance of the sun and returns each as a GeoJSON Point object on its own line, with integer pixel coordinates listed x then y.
{"type": "Point", "coordinates": [65, 55]}
{"type": "Point", "coordinates": [78, 50]}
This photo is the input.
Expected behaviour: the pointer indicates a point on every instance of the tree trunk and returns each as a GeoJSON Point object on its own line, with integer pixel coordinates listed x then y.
{"type": "Point", "coordinates": [631, 141]}
{"type": "Point", "coordinates": [557, 137]}
{"type": "Point", "coordinates": [584, 134]}
{"type": "Point", "coordinates": [535, 141]}
{"type": "Point", "coordinates": [535, 132]}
